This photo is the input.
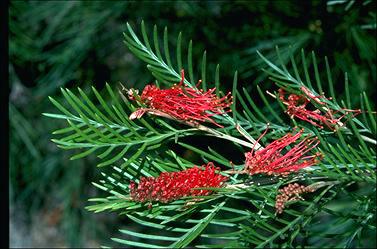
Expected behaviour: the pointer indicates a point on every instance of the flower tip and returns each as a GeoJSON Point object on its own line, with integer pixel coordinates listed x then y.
{"type": "Point", "coordinates": [132, 116]}
{"type": "Point", "coordinates": [137, 114]}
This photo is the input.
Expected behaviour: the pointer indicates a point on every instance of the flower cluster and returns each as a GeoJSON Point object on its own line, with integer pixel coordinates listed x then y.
{"type": "Point", "coordinates": [181, 102]}
{"type": "Point", "coordinates": [270, 160]}
{"type": "Point", "coordinates": [297, 107]}
{"type": "Point", "coordinates": [290, 193]}
{"type": "Point", "coordinates": [171, 186]}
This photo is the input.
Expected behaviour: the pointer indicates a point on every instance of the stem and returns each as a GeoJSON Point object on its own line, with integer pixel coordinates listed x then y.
{"type": "Point", "coordinates": [254, 144]}
{"type": "Point", "coordinates": [314, 186]}
{"type": "Point", "coordinates": [318, 185]}
{"type": "Point", "coordinates": [237, 186]}
{"type": "Point", "coordinates": [230, 138]}
{"type": "Point", "coordinates": [213, 132]}
{"type": "Point", "coordinates": [231, 171]}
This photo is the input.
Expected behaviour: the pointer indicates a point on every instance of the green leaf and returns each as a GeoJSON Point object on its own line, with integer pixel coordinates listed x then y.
{"type": "Point", "coordinates": [115, 158]}
{"type": "Point", "coordinates": [204, 82]}
{"type": "Point", "coordinates": [179, 52]}
{"type": "Point", "coordinates": [196, 230]}
{"type": "Point", "coordinates": [234, 95]}
{"type": "Point", "coordinates": [189, 61]}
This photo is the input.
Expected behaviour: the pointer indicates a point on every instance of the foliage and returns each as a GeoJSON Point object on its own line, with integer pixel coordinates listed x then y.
{"type": "Point", "coordinates": [49, 49]}
{"type": "Point", "coordinates": [242, 214]}
{"type": "Point", "coordinates": [69, 44]}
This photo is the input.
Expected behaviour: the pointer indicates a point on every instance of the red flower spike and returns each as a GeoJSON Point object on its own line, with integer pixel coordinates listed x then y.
{"type": "Point", "coordinates": [297, 108]}
{"type": "Point", "coordinates": [271, 161]}
{"type": "Point", "coordinates": [290, 192]}
{"type": "Point", "coordinates": [171, 186]}
{"type": "Point", "coordinates": [182, 102]}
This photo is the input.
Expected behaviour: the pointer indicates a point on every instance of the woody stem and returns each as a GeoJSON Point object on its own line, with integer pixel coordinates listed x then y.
{"type": "Point", "coordinates": [228, 137]}
{"type": "Point", "coordinates": [213, 132]}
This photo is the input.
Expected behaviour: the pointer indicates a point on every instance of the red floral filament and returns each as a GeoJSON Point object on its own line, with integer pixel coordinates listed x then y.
{"type": "Point", "coordinates": [171, 186]}
{"type": "Point", "coordinates": [297, 108]}
{"type": "Point", "coordinates": [270, 160]}
{"type": "Point", "coordinates": [184, 103]}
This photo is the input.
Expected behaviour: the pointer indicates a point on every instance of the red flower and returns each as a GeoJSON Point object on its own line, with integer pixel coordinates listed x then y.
{"type": "Point", "coordinates": [171, 186]}
{"type": "Point", "coordinates": [271, 161]}
{"type": "Point", "coordinates": [297, 108]}
{"type": "Point", "coordinates": [181, 102]}
{"type": "Point", "coordinates": [290, 193]}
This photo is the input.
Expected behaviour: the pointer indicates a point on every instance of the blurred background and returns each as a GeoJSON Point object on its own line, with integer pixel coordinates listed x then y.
{"type": "Point", "coordinates": [72, 44]}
